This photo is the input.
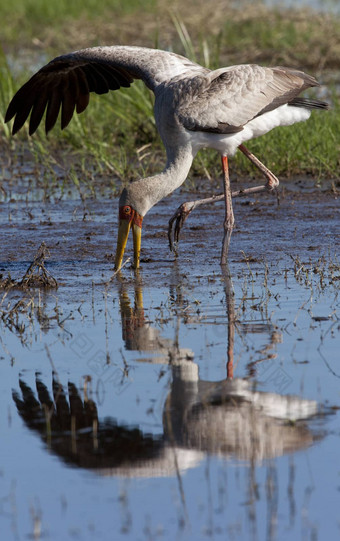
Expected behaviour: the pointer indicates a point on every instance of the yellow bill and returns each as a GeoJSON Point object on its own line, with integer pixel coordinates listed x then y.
{"type": "Point", "coordinates": [137, 241]}
{"type": "Point", "coordinates": [128, 218]}
{"type": "Point", "coordinates": [123, 233]}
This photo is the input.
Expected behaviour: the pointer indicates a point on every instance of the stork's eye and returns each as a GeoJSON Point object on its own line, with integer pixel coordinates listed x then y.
{"type": "Point", "coordinates": [127, 210]}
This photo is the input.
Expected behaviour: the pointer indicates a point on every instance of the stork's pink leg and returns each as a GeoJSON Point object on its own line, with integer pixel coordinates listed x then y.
{"type": "Point", "coordinates": [272, 180]}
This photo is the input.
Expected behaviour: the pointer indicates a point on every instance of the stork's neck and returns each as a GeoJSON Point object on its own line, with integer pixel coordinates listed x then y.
{"type": "Point", "coordinates": [145, 193]}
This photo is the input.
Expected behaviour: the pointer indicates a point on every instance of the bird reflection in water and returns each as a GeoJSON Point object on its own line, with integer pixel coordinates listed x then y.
{"type": "Point", "coordinates": [228, 418]}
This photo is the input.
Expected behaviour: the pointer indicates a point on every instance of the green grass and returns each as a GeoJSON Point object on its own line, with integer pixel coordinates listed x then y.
{"type": "Point", "coordinates": [308, 148]}
{"type": "Point", "coordinates": [27, 20]}
{"type": "Point", "coordinates": [115, 139]}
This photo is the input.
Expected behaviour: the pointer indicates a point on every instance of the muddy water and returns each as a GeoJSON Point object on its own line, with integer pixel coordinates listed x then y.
{"type": "Point", "coordinates": [182, 402]}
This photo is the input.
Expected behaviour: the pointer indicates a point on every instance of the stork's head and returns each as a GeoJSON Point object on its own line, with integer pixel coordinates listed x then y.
{"type": "Point", "coordinates": [130, 217]}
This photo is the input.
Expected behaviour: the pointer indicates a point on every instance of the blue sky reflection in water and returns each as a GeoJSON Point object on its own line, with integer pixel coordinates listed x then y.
{"type": "Point", "coordinates": [179, 404]}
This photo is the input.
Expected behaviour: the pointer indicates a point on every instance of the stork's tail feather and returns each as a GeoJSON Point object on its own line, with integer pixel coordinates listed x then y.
{"type": "Point", "coordinates": [308, 103]}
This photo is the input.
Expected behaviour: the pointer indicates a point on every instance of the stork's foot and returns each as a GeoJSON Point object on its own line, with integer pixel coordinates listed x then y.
{"type": "Point", "coordinates": [272, 180]}
{"type": "Point", "coordinates": [183, 211]}
{"type": "Point", "coordinates": [177, 220]}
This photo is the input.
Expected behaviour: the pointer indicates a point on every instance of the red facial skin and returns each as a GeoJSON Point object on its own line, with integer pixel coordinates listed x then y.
{"type": "Point", "coordinates": [128, 213]}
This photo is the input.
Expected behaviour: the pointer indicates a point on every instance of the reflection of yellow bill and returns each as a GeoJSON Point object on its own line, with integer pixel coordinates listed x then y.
{"type": "Point", "coordinates": [123, 233]}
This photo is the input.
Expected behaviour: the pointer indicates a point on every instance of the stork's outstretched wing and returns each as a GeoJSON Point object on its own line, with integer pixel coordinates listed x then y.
{"type": "Point", "coordinates": [224, 100]}
{"type": "Point", "coordinates": [67, 81]}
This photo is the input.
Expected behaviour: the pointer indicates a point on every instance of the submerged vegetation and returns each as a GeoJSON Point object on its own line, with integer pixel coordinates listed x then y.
{"type": "Point", "coordinates": [115, 138]}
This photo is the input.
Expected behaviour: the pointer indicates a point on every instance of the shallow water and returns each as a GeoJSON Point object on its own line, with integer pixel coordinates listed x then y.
{"type": "Point", "coordinates": [331, 6]}
{"type": "Point", "coordinates": [180, 402]}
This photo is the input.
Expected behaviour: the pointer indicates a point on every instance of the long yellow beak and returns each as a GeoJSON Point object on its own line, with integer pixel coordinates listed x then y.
{"type": "Point", "coordinates": [125, 224]}
{"type": "Point", "coordinates": [137, 241]}
{"type": "Point", "coordinates": [123, 233]}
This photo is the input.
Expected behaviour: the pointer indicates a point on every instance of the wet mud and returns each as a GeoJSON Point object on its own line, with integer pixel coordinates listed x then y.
{"type": "Point", "coordinates": [81, 236]}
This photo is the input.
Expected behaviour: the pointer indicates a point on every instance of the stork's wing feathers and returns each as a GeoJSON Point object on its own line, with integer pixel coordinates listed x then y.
{"type": "Point", "coordinates": [223, 101]}
{"type": "Point", "coordinates": [220, 101]}
{"type": "Point", "coordinates": [67, 81]}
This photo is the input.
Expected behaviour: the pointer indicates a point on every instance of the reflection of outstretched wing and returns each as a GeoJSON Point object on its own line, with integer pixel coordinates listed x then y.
{"type": "Point", "coordinates": [226, 418]}
{"type": "Point", "coordinates": [71, 428]}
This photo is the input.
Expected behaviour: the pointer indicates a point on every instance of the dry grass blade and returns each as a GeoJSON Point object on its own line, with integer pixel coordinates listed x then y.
{"type": "Point", "coordinates": [36, 275]}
